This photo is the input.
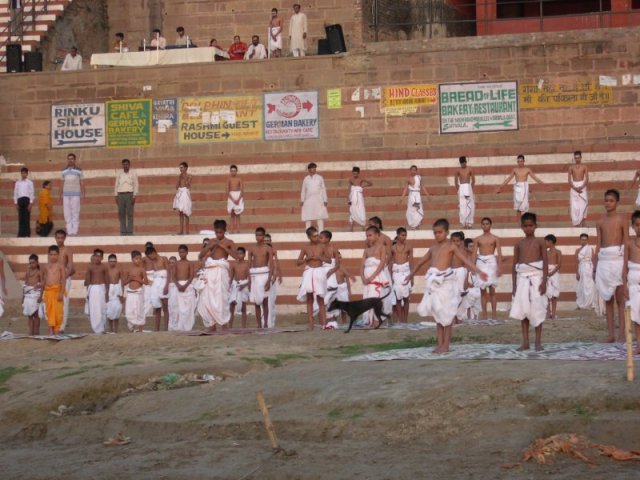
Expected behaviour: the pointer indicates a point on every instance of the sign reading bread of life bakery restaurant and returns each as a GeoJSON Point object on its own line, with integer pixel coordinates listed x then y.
{"type": "Point", "coordinates": [220, 119]}
{"type": "Point", "coordinates": [77, 125]}
{"type": "Point", "coordinates": [478, 107]}
{"type": "Point", "coordinates": [129, 123]}
{"type": "Point", "coordinates": [291, 115]}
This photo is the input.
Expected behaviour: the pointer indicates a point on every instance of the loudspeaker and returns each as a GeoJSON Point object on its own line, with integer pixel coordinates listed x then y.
{"type": "Point", "coordinates": [32, 61]}
{"type": "Point", "coordinates": [336, 38]}
{"type": "Point", "coordinates": [14, 57]}
{"type": "Point", "coordinates": [323, 47]}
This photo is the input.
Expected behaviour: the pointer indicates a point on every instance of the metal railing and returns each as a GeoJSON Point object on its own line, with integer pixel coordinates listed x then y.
{"type": "Point", "coordinates": [22, 20]}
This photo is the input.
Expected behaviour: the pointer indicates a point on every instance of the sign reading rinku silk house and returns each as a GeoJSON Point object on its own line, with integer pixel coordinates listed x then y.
{"type": "Point", "coordinates": [78, 125]}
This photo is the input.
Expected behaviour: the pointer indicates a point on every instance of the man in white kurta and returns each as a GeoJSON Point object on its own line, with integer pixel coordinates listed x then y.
{"type": "Point", "coordinates": [585, 289]}
{"type": "Point", "coordinates": [298, 32]}
{"type": "Point", "coordinates": [313, 198]}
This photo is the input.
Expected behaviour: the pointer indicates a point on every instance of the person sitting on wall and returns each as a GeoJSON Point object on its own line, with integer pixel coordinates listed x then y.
{"type": "Point", "coordinates": [120, 44]}
{"type": "Point", "coordinates": [157, 40]}
{"type": "Point", "coordinates": [256, 50]}
{"type": "Point", "coordinates": [72, 61]}
{"type": "Point", "coordinates": [183, 40]}
{"type": "Point", "coordinates": [237, 49]}
{"type": "Point", "coordinates": [221, 53]}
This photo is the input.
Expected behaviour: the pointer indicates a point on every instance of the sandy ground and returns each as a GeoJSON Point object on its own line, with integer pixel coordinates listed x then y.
{"type": "Point", "coordinates": [343, 420]}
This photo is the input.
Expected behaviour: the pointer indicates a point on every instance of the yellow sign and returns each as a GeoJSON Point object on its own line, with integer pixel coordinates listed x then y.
{"type": "Point", "coordinates": [403, 99]}
{"type": "Point", "coordinates": [220, 119]}
{"type": "Point", "coordinates": [334, 98]}
{"type": "Point", "coordinates": [554, 95]}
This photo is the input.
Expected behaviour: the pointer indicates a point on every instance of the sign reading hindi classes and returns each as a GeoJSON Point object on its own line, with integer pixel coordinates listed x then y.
{"type": "Point", "coordinates": [553, 95]}
{"type": "Point", "coordinates": [77, 125]}
{"type": "Point", "coordinates": [220, 119]}
{"type": "Point", "coordinates": [403, 99]}
{"type": "Point", "coordinates": [292, 115]}
{"type": "Point", "coordinates": [478, 107]}
{"type": "Point", "coordinates": [128, 123]}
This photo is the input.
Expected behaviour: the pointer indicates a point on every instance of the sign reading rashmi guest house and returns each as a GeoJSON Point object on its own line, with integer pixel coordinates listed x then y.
{"type": "Point", "coordinates": [478, 107]}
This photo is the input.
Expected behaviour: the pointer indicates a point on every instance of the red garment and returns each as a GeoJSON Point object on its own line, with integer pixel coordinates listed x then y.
{"type": "Point", "coordinates": [237, 51]}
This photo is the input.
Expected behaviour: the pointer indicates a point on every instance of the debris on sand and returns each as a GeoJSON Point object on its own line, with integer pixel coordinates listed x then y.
{"type": "Point", "coordinates": [171, 381]}
{"type": "Point", "coordinates": [61, 411]}
{"type": "Point", "coordinates": [117, 441]}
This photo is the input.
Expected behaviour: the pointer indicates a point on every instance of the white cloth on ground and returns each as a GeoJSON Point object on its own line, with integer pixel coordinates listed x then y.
{"type": "Point", "coordinates": [114, 305]}
{"type": "Point", "coordinates": [156, 291]}
{"type": "Point", "coordinates": [578, 203]}
{"type": "Point", "coordinates": [415, 213]}
{"type": "Point", "coordinates": [97, 307]}
{"type": "Point", "coordinates": [527, 302]}
{"type": "Point", "coordinates": [399, 273]}
{"type": "Point", "coordinates": [378, 286]}
{"type": "Point", "coordinates": [553, 283]}
{"type": "Point", "coordinates": [313, 198]}
{"type": "Point", "coordinates": [30, 303]}
{"type": "Point", "coordinates": [134, 309]}
{"type": "Point", "coordinates": [586, 288]}
{"type": "Point", "coordinates": [466, 204]}
{"type": "Point", "coordinates": [182, 201]}
{"type": "Point", "coordinates": [521, 197]}
{"type": "Point", "coordinates": [213, 300]}
{"type": "Point", "coordinates": [357, 210]}
{"type": "Point", "coordinates": [633, 282]}
{"type": "Point", "coordinates": [441, 297]}
{"type": "Point", "coordinates": [609, 271]}
{"type": "Point", "coordinates": [489, 265]}
{"type": "Point", "coordinates": [236, 208]}
{"type": "Point", "coordinates": [259, 277]}
{"type": "Point", "coordinates": [314, 280]}
{"type": "Point", "coordinates": [182, 307]}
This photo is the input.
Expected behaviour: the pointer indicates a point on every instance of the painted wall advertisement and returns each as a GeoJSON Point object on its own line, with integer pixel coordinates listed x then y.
{"type": "Point", "coordinates": [404, 99]}
{"type": "Point", "coordinates": [129, 123]}
{"type": "Point", "coordinates": [165, 113]}
{"type": "Point", "coordinates": [78, 125]}
{"type": "Point", "coordinates": [550, 95]}
{"type": "Point", "coordinates": [478, 107]}
{"type": "Point", "coordinates": [291, 115]}
{"type": "Point", "coordinates": [220, 119]}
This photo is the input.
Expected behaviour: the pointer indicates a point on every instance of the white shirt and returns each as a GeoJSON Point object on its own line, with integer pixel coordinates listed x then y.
{"type": "Point", "coordinates": [127, 182]}
{"type": "Point", "coordinates": [258, 51]}
{"type": "Point", "coordinates": [72, 63]}
{"type": "Point", "coordinates": [160, 43]}
{"type": "Point", "coordinates": [23, 188]}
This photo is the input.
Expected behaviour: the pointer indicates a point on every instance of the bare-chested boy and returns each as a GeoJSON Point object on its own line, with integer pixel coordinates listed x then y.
{"type": "Point", "coordinates": [55, 276]}
{"type": "Point", "coordinates": [489, 260]}
{"type": "Point", "coordinates": [441, 298]}
{"type": "Point", "coordinates": [182, 296]}
{"type": "Point", "coordinates": [32, 294]}
{"type": "Point", "coordinates": [159, 289]}
{"type": "Point", "coordinates": [116, 293]}
{"type": "Point", "coordinates": [413, 190]}
{"type": "Point", "coordinates": [521, 186]}
{"type": "Point", "coordinates": [66, 260]}
{"type": "Point", "coordinates": [182, 201]}
{"type": "Point", "coordinates": [384, 238]}
{"type": "Point", "coordinates": [277, 277]}
{"type": "Point", "coordinates": [554, 259]}
{"type": "Point", "coordinates": [375, 273]}
{"type": "Point", "coordinates": [97, 283]}
{"type": "Point", "coordinates": [632, 275]}
{"type": "Point", "coordinates": [331, 268]}
{"type": "Point", "coordinates": [635, 183]}
{"type": "Point", "coordinates": [314, 277]}
{"type": "Point", "coordinates": [261, 272]}
{"type": "Point", "coordinates": [529, 277]}
{"type": "Point", "coordinates": [147, 264]}
{"type": "Point", "coordinates": [135, 281]}
{"type": "Point", "coordinates": [578, 178]}
{"type": "Point", "coordinates": [471, 299]}
{"type": "Point", "coordinates": [465, 180]}
{"type": "Point", "coordinates": [401, 259]}
{"type": "Point", "coordinates": [235, 198]}
{"type": "Point", "coordinates": [460, 272]}
{"type": "Point", "coordinates": [357, 210]}
{"type": "Point", "coordinates": [239, 275]}
{"type": "Point", "coordinates": [612, 236]}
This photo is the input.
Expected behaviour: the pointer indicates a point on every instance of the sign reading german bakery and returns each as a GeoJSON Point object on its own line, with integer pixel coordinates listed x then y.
{"type": "Point", "coordinates": [77, 125]}
{"type": "Point", "coordinates": [291, 115]}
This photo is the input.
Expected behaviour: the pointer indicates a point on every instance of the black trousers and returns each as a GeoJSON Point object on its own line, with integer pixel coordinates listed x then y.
{"type": "Point", "coordinates": [24, 217]}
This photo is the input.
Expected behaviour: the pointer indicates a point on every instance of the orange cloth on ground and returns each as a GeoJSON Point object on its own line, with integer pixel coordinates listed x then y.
{"type": "Point", "coordinates": [44, 205]}
{"type": "Point", "coordinates": [53, 306]}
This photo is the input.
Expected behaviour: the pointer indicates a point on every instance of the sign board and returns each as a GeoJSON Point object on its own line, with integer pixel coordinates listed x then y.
{"type": "Point", "coordinates": [291, 115]}
{"type": "Point", "coordinates": [165, 113]}
{"type": "Point", "coordinates": [220, 119]}
{"type": "Point", "coordinates": [554, 95]}
{"type": "Point", "coordinates": [403, 99]}
{"type": "Point", "coordinates": [77, 125]}
{"type": "Point", "coordinates": [334, 98]}
{"type": "Point", "coordinates": [129, 123]}
{"type": "Point", "coordinates": [478, 107]}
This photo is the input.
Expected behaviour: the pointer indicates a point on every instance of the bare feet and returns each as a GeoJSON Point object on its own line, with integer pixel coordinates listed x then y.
{"type": "Point", "coordinates": [211, 328]}
{"type": "Point", "coordinates": [539, 347]}
{"type": "Point", "coordinates": [523, 347]}
{"type": "Point", "coordinates": [610, 340]}
{"type": "Point", "coordinates": [621, 339]}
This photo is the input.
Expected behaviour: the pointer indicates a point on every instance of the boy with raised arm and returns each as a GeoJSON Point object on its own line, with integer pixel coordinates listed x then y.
{"type": "Point", "coordinates": [235, 198]}
{"type": "Point", "coordinates": [464, 181]}
{"type": "Point", "coordinates": [578, 178]}
{"type": "Point", "coordinates": [441, 298]}
{"type": "Point", "coordinates": [54, 281]}
{"type": "Point", "coordinates": [612, 233]}
{"type": "Point", "coordinates": [182, 296]}
{"type": "Point", "coordinates": [97, 283]}
{"type": "Point", "coordinates": [413, 190]}
{"type": "Point", "coordinates": [134, 282]}
{"type": "Point", "coordinates": [182, 200]}
{"type": "Point", "coordinates": [521, 186]}
{"type": "Point", "coordinates": [159, 288]}
{"type": "Point", "coordinates": [632, 275]}
{"type": "Point", "coordinates": [357, 210]}
{"type": "Point", "coordinates": [488, 260]}
{"type": "Point", "coordinates": [314, 277]}
{"type": "Point", "coordinates": [261, 272]}
{"type": "Point", "coordinates": [586, 288]}
{"type": "Point", "coordinates": [401, 259]}
{"type": "Point", "coordinates": [32, 294]}
{"type": "Point", "coordinates": [554, 259]}
{"type": "Point", "coordinates": [529, 277]}
{"type": "Point", "coordinates": [66, 260]}
{"type": "Point", "coordinates": [239, 297]}
{"type": "Point", "coordinates": [116, 294]}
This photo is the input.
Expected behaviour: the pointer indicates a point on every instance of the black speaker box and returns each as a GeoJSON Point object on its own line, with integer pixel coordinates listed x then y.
{"type": "Point", "coordinates": [32, 61]}
{"type": "Point", "coordinates": [323, 47]}
{"type": "Point", "coordinates": [14, 57]}
{"type": "Point", "coordinates": [336, 38]}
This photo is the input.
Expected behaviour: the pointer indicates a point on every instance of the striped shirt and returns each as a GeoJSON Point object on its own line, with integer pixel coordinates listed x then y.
{"type": "Point", "coordinates": [71, 178]}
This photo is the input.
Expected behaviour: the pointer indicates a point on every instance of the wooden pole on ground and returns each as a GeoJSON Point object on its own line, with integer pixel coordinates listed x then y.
{"type": "Point", "coordinates": [267, 421]}
{"type": "Point", "coordinates": [629, 337]}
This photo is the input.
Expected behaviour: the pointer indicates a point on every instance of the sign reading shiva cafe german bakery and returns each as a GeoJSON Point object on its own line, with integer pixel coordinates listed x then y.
{"type": "Point", "coordinates": [478, 107]}
{"type": "Point", "coordinates": [77, 125]}
{"type": "Point", "coordinates": [291, 115]}
{"type": "Point", "coordinates": [129, 123]}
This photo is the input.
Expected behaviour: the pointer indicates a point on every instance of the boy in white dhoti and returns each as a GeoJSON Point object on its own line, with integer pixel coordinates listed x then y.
{"type": "Point", "coordinates": [441, 296]}
{"type": "Point", "coordinates": [261, 273]}
{"type": "Point", "coordinates": [313, 199]}
{"type": "Point", "coordinates": [116, 294]}
{"type": "Point", "coordinates": [66, 260]}
{"type": "Point", "coordinates": [298, 32]}
{"type": "Point", "coordinates": [330, 272]}
{"type": "Point", "coordinates": [314, 278]}
{"type": "Point", "coordinates": [275, 34]}
{"type": "Point", "coordinates": [182, 201]}
{"type": "Point", "coordinates": [97, 283]}
{"type": "Point", "coordinates": [413, 190]}
{"type": "Point", "coordinates": [464, 181]}
{"type": "Point", "coordinates": [357, 210]}
{"type": "Point", "coordinates": [159, 289]}
{"type": "Point", "coordinates": [632, 275]}
{"type": "Point", "coordinates": [554, 259]}
{"type": "Point", "coordinates": [239, 296]}
{"type": "Point", "coordinates": [460, 273]}
{"type": "Point", "coordinates": [578, 197]}
{"type": "Point", "coordinates": [613, 232]}
{"type": "Point", "coordinates": [375, 274]}
{"type": "Point", "coordinates": [586, 288]}
{"type": "Point", "coordinates": [235, 199]}
{"type": "Point", "coordinates": [521, 186]}
{"type": "Point", "coordinates": [489, 260]}
{"type": "Point", "coordinates": [182, 297]}
{"type": "Point", "coordinates": [31, 293]}
{"type": "Point", "coordinates": [276, 279]}
{"type": "Point", "coordinates": [401, 258]}
{"type": "Point", "coordinates": [147, 264]}
{"type": "Point", "coordinates": [635, 183]}
{"type": "Point", "coordinates": [471, 303]}
{"type": "Point", "coordinates": [134, 281]}
{"type": "Point", "coordinates": [529, 278]}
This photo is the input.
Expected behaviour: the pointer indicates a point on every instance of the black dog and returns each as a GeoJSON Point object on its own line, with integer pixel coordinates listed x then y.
{"type": "Point", "coordinates": [357, 308]}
